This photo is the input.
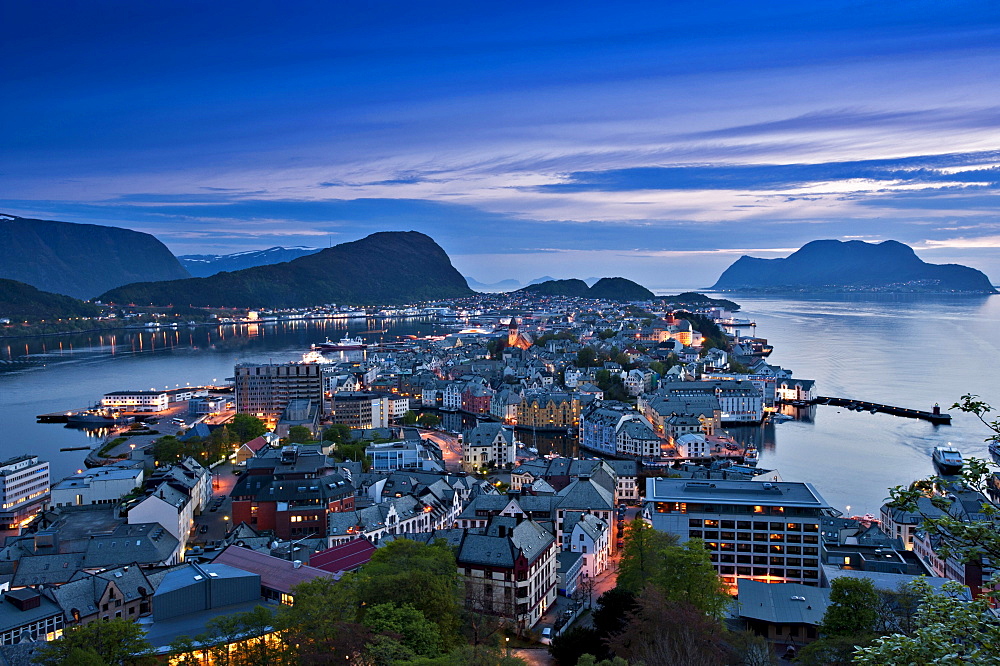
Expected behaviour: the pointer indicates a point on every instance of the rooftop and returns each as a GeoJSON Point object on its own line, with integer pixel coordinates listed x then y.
{"type": "Point", "coordinates": [777, 493]}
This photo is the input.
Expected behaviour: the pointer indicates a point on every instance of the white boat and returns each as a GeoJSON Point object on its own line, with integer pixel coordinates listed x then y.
{"type": "Point", "coordinates": [345, 344]}
{"type": "Point", "coordinates": [948, 460]}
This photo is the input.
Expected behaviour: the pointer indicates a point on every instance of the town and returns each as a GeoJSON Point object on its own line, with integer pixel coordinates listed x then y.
{"type": "Point", "coordinates": [536, 444]}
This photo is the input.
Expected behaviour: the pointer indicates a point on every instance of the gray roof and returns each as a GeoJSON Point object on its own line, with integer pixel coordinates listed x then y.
{"type": "Point", "coordinates": [47, 569]}
{"type": "Point", "coordinates": [778, 493]}
{"type": "Point", "coordinates": [85, 591]}
{"type": "Point", "coordinates": [782, 603]}
{"type": "Point", "coordinates": [12, 618]}
{"type": "Point", "coordinates": [504, 540]}
{"type": "Point", "coordinates": [143, 543]}
{"type": "Point", "coordinates": [585, 495]}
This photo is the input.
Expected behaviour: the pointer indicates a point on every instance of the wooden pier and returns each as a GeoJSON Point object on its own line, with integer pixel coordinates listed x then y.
{"type": "Point", "coordinates": [935, 416]}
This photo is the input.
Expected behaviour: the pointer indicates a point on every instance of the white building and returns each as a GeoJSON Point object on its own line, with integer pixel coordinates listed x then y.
{"type": "Point", "coordinates": [98, 485]}
{"type": "Point", "coordinates": [168, 506]}
{"type": "Point", "coordinates": [488, 442]}
{"type": "Point", "coordinates": [693, 445]}
{"type": "Point", "coordinates": [24, 488]}
{"type": "Point", "coordinates": [590, 536]}
{"type": "Point", "coordinates": [136, 401]}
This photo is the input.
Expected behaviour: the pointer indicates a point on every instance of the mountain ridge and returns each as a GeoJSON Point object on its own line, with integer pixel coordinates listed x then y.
{"type": "Point", "coordinates": [607, 288]}
{"type": "Point", "coordinates": [386, 267]}
{"type": "Point", "coordinates": [832, 265]}
{"type": "Point", "coordinates": [206, 265]}
{"type": "Point", "coordinates": [21, 301]}
{"type": "Point", "coordinates": [81, 260]}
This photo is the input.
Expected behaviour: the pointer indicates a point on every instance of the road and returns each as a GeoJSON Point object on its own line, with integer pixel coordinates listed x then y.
{"type": "Point", "coordinates": [451, 450]}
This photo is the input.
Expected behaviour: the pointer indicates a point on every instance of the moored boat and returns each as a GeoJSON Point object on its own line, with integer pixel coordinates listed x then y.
{"type": "Point", "coordinates": [97, 417]}
{"type": "Point", "coordinates": [345, 344]}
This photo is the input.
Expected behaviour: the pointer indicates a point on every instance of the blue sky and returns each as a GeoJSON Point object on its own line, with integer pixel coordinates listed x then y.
{"type": "Point", "coordinates": [658, 141]}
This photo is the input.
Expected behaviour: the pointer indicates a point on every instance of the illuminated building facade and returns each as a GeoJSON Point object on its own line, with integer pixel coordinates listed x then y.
{"type": "Point", "coordinates": [24, 488]}
{"type": "Point", "coordinates": [763, 531]}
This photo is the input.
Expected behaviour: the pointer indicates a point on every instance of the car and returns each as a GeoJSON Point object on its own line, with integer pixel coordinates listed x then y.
{"type": "Point", "coordinates": [203, 529]}
{"type": "Point", "coordinates": [214, 508]}
{"type": "Point", "coordinates": [547, 636]}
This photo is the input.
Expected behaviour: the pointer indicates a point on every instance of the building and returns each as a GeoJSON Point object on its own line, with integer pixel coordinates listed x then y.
{"type": "Point", "coordinates": [404, 454]}
{"type": "Point", "coordinates": [277, 576]}
{"type": "Point", "coordinates": [549, 410]}
{"type": "Point", "coordinates": [27, 616]}
{"type": "Point", "coordinates": [24, 489]}
{"type": "Point", "coordinates": [739, 401]}
{"type": "Point", "coordinates": [591, 537]}
{"type": "Point", "coordinates": [486, 443]}
{"type": "Point", "coordinates": [783, 613]}
{"type": "Point", "coordinates": [760, 530]}
{"type": "Point", "coordinates": [136, 401]}
{"type": "Point", "coordinates": [364, 410]}
{"type": "Point", "coordinates": [97, 485]}
{"type": "Point", "coordinates": [265, 389]}
{"type": "Point", "coordinates": [508, 569]}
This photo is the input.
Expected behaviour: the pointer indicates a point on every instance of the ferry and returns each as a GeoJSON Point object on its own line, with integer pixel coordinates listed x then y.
{"type": "Point", "coordinates": [345, 344]}
{"type": "Point", "coordinates": [948, 460]}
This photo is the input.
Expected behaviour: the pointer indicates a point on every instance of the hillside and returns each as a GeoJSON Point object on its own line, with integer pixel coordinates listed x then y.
{"type": "Point", "coordinates": [22, 302]}
{"type": "Point", "coordinates": [81, 260]}
{"type": "Point", "coordinates": [388, 267]}
{"type": "Point", "coordinates": [492, 287]}
{"type": "Point", "coordinates": [615, 289]}
{"type": "Point", "coordinates": [204, 265]}
{"type": "Point", "coordinates": [830, 265]}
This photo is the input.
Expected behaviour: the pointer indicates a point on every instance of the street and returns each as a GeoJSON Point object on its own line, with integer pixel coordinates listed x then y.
{"type": "Point", "coordinates": [451, 450]}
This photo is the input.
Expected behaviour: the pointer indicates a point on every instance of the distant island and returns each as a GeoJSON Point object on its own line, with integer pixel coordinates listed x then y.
{"type": "Point", "coordinates": [21, 302]}
{"type": "Point", "coordinates": [609, 288]}
{"type": "Point", "coordinates": [390, 267]}
{"type": "Point", "coordinates": [841, 266]}
{"type": "Point", "coordinates": [81, 260]}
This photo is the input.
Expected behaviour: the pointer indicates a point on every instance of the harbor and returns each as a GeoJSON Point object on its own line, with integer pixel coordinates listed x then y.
{"type": "Point", "coordinates": [934, 416]}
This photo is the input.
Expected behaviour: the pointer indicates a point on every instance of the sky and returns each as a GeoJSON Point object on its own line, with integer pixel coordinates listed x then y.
{"type": "Point", "coordinates": [657, 141]}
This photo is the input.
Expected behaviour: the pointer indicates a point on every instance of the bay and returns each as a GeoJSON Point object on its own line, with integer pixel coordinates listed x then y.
{"type": "Point", "coordinates": [910, 351]}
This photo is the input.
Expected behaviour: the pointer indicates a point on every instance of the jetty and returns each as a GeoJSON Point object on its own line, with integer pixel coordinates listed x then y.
{"type": "Point", "coordinates": [934, 416]}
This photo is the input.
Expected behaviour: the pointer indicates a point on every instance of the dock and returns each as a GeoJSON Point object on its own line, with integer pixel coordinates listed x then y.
{"type": "Point", "coordinates": [935, 416]}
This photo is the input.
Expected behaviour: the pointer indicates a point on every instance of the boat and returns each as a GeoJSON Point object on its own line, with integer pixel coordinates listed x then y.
{"type": "Point", "coordinates": [995, 450]}
{"type": "Point", "coordinates": [97, 417]}
{"type": "Point", "coordinates": [345, 344]}
{"type": "Point", "coordinates": [948, 460]}
{"type": "Point", "coordinates": [750, 455]}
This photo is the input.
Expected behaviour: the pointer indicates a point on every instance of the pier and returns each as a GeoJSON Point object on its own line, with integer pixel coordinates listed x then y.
{"type": "Point", "coordinates": [935, 416]}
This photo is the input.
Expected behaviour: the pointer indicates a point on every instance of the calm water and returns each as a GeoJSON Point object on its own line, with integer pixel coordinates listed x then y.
{"type": "Point", "coordinates": [908, 351]}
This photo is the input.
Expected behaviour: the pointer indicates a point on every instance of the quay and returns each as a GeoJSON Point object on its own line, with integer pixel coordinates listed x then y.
{"type": "Point", "coordinates": [935, 416]}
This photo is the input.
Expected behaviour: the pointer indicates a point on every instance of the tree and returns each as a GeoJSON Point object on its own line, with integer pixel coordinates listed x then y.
{"type": "Point", "coordinates": [410, 418]}
{"type": "Point", "coordinates": [832, 651]}
{"type": "Point", "coordinates": [323, 621]}
{"type": "Point", "coordinates": [950, 630]}
{"type": "Point", "coordinates": [429, 420]}
{"type": "Point", "coordinates": [116, 642]}
{"type": "Point", "coordinates": [642, 555]}
{"type": "Point", "coordinates": [611, 614]}
{"type": "Point", "coordinates": [422, 575]}
{"type": "Point", "coordinates": [245, 427]}
{"type": "Point", "coordinates": [299, 434]}
{"type": "Point", "coordinates": [586, 358]}
{"type": "Point", "coordinates": [416, 632]}
{"type": "Point", "coordinates": [668, 632]}
{"type": "Point", "coordinates": [337, 433]}
{"type": "Point", "coordinates": [569, 647]}
{"type": "Point", "coordinates": [687, 576]}
{"type": "Point", "coordinates": [853, 608]}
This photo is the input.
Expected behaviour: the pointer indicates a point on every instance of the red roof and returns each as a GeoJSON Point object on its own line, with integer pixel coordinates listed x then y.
{"type": "Point", "coordinates": [256, 444]}
{"type": "Point", "coordinates": [345, 557]}
{"type": "Point", "coordinates": [275, 573]}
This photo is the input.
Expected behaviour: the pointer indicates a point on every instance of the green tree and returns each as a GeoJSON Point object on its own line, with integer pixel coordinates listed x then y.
{"type": "Point", "coordinates": [167, 449]}
{"type": "Point", "coordinates": [338, 433]}
{"type": "Point", "coordinates": [950, 630]}
{"type": "Point", "coordinates": [853, 608]}
{"type": "Point", "coordinates": [323, 620]}
{"type": "Point", "coordinates": [245, 427]}
{"type": "Point", "coordinates": [642, 557]}
{"type": "Point", "coordinates": [832, 651]}
{"type": "Point", "coordinates": [410, 418]}
{"type": "Point", "coordinates": [687, 576]}
{"type": "Point", "coordinates": [606, 334]}
{"type": "Point", "coordinates": [418, 634]}
{"type": "Point", "coordinates": [573, 645]}
{"type": "Point", "coordinates": [299, 434]}
{"type": "Point", "coordinates": [116, 642]}
{"type": "Point", "coordinates": [429, 420]}
{"type": "Point", "coordinates": [422, 575]}
{"type": "Point", "coordinates": [586, 358]}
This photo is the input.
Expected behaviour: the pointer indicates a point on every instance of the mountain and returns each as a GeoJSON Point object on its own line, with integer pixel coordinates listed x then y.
{"type": "Point", "coordinates": [620, 289]}
{"type": "Point", "coordinates": [22, 302]}
{"type": "Point", "coordinates": [387, 267]}
{"type": "Point", "coordinates": [544, 278]}
{"type": "Point", "coordinates": [81, 260]}
{"type": "Point", "coordinates": [614, 289]}
{"type": "Point", "coordinates": [501, 286]}
{"type": "Point", "coordinates": [831, 265]}
{"type": "Point", "coordinates": [203, 265]}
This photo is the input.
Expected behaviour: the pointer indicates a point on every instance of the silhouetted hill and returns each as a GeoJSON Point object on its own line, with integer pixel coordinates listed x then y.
{"type": "Point", "coordinates": [620, 289]}
{"type": "Point", "coordinates": [831, 265]}
{"type": "Point", "coordinates": [617, 289]}
{"type": "Point", "coordinates": [503, 285]}
{"type": "Point", "coordinates": [203, 265]}
{"type": "Point", "coordinates": [22, 302]}
{"type": "Point", "coordinates": [81, 260]}
{"type": "Point", "coordinates": [387, 267]}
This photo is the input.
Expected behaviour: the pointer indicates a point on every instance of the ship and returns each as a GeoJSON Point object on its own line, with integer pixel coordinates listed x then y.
{"type": "Point", "coordinates": [345, 344]}
{"type": "Point", "coordinates": [948, 460]}
{"type": "Point", "coordinates": [97, 417]}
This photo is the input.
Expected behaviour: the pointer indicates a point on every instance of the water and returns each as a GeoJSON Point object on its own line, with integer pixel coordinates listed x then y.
{"type": "Point", "coordinates": [906, 351]}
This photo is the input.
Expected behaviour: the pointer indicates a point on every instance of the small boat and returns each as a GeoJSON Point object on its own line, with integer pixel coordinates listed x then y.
{"type": "Point", "coordinates": [778, 417]}
{"type": "Point", "coordinates": [948, 460]}
{"type": "Point", "coordinates": [750, 455]}
{"type": "Point", "coordinates": [345, 344]}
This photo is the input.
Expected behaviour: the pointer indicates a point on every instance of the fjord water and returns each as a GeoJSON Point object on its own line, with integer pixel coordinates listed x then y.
{"type": "Point", "coordinates": [902, 350]}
